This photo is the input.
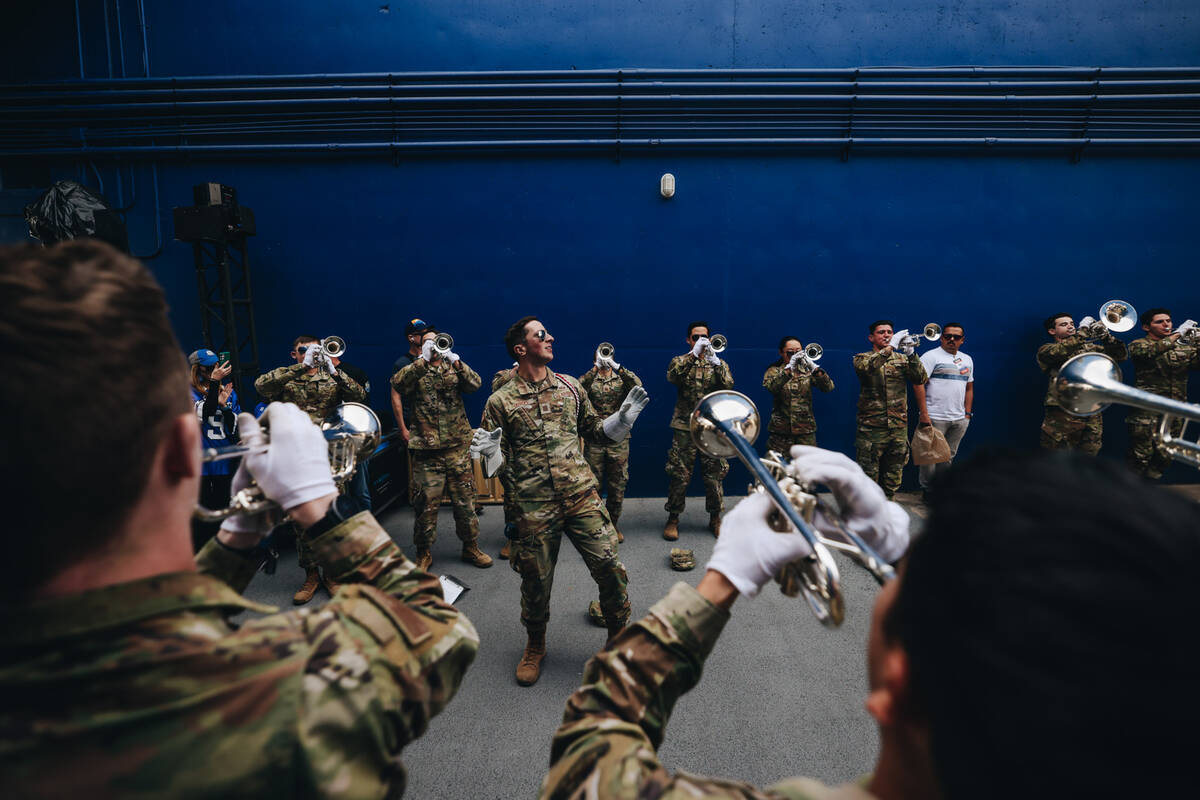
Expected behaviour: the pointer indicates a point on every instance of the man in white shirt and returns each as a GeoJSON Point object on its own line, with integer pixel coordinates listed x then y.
{"type": "Point", "coordinates": [949, 394]}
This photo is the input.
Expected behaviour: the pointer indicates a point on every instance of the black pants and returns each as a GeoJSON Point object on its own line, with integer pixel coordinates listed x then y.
{"type": "Point", "coordinates": [214, 494]}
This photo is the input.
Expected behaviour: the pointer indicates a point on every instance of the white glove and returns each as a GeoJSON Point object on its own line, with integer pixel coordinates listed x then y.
{"type": "Point", "coordinates": [1083, 323]}
{"type": "Point", "coordinates": [749, 551]}
{"type": "Point", "coordinates": [897, 338]}
{"type": "Point", "coordinates": [247, 523]}
{"type": "Point", "coordinates": [800, 362]}
{"type": "Point", "coordinates": [310, 356]}
{"type": "Point", "coordinates": [295, 469]}
{"type": "Point", "coordinates": [327, 363]}
{"type": "Point", "coordinates": [427, 350]}
{"type": "Point", "coordinates": [711, 357]}
{"type": "Point", "coordinates": [606, 361]}
{"type": "Point", "coordinates": [486, 445]}
{"type": "Point", "coordinates": [698, 347]}
{"type": "Point", "coordinates": [1185, 326]}
{"type": "Point", "coordinates": [862, 505]}
{"type": "Point", "coordinates": [452, 357]}
{"type": "Point", "coordinates": [617, 426]}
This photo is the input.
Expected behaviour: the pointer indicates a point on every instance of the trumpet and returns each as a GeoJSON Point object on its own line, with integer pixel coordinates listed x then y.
{"type": "Point", "coordinates": [1090, 382]}
{"type": "Point", "coordinates": [814, 351]}
{"type": "Point", "coordinates": [443, 343]}
{"type": "Point", "coordinates": [726, 423]}
{"type": "Point", "coordinates": [717, 343]}
{"type": "Point", "coordinates": [605, 350]}
{"type": "Point", "coordinates": [931, 332]}
{"type": "Point", "coordinates": [352, 431]}
{"type": "Point", "coordinates": [1115, 316]}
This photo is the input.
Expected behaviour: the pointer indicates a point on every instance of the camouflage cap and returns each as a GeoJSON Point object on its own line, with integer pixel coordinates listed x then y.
{"type": "Point", "coordinates": [595, 615]}
{"type": "Point", "coordinates": [682, 559]}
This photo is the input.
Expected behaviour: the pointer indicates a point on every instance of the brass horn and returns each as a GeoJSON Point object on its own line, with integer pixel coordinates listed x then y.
{"type": "Point", "coordinates": [726, 423]}
{"type": "Point", "coordinates": [1115, 315]}
{"type": "Point", "coordinates": [717, 343]}
{"type": "Point", "coordinates": [443, 343]}
{"type": "Point", "coordinates": [333, 346]}
{"type": "Point", "coordinates": [605, 350]}
{"type": "Point", "coordinates": [1090, 382]}
{"type": "Point", "coordinates": [352, 431]}
{"type": "Point", "coordinates": [814, 351]}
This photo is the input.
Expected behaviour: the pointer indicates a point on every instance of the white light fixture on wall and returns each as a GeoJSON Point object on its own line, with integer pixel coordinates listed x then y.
{"type": "Point", "coordinates": [666, 185]}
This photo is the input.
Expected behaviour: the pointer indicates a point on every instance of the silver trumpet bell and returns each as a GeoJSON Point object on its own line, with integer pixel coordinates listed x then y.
{"type": "Point", "coordinates": [605, 350]}
{"type": "Point", "coordinates": [717, 343]}
{"type": "Point", "coordinates": [333, 346]}
{"type": "Point", "coordinates": [726, 423]}
{"type": "Point", "coordinates": [814, 352]}
{"type": "Point", "coordinates": [1115, 315]}
{"type": "Point", "coordinates": [1090, 382]}
{"type": "Point", "coordinates": [443, 344]}
{"type": "Point", "coordinates": [352, 432]}
{"type": "Point", "coordinates": [933, 331]}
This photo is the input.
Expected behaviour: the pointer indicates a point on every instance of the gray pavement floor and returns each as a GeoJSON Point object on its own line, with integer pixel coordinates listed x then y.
{"type": "Point", "coordinates": [780, 696]}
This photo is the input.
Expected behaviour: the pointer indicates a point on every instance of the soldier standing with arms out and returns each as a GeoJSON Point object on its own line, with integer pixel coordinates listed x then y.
{"type": "Point", "coordinates": [534, 422]}
{"type": "Point", "coordinates": [121, 672]}
{"type": "Point", "coordinates": [791, 380]}
{"type": "Point", "coordinates": [1161, 365]}
{"type": "Point", "coordinates": [881, 441]}
{"type": "Point", "coordinates": [317, 387]}
{"type": "Point", "coordinates": [440, 440]}
{"type": "Point", "coordinates": [695, 374]}
{"type": "Point", "coordinates": [1060, 430]}
{"type": "Point", "coordinates": [607, 383]}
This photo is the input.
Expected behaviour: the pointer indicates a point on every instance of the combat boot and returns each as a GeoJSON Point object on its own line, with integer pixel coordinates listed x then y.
{"type": "Point", "coordinates": [620, 536]}
{"type": "Point", "coordinates": [424, 559]}
{"type": "Point", "coordinates": [530, 668]}
{"type": "Point", "coordinates": [312, 580]}
{"type": "Point", "coordinates": [476, 557]}
{"type": "Point", "coordinates": [504, 553]}
{"type": "Point", "coordinates": [671, 529]}
{"type": "Point", "coordinates": [331, 585]}
{"type": "Point", "coordinates": [613, 517]}
{"type": "Point", "coordinates": [714, 525]}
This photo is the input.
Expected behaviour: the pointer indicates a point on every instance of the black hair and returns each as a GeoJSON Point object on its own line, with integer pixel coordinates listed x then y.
{"type": "Point", "coordinates": [299, 340]}
{"type": "Point", "coordinates": [1148, 316]}
{"type": "Point", "coordinates": [1048, 325]}
{"type": "Point", "coordinates": [1045, 611]}
{"type": "Point", "coordinates": [871, 328]}
{"type": "Point", "coordinates": [958, 325]}
{"type": "Point", "coordinates": [779, 362]}
{"type": "Point", "coordinates": [698, 324]}
{"type": "Point", "coordinates": [516, 335]}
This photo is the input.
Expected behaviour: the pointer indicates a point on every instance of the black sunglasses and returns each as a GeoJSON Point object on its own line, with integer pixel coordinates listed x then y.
{"type": "Point", "coordinates": [541, 335]}
{"type": "Point", "coordinates": [952, 336]}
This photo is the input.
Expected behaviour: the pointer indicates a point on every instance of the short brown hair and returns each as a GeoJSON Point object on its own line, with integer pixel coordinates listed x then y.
{"type": "Point", "coordinates": [516, 334]}
{"type": "Point", "coordinates": [97, 375]}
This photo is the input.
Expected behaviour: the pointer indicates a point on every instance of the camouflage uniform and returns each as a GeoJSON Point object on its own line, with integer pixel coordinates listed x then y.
{"type": "Point", "coordinates": [614, 723]}
{"type": "Point", "coordinates": [792, 420]}
{"type": "Point", "coordinates": [1161, 366]}
{"type": "Point", "coordinates": [439, 443]}
{"type": "Point", "coordinates": [147, 689]}
{"type": "Point", "coordinates": [606, 394]}
{"type": "Point", "coordinates": [1060, 430]}
{"type": "Point", "coordinates": [694, 378]}
{"type": "Point", "coordinates": [504, 475]}
{"type": "Point", "coordinates": [881, 441]}
{"type": "Point", "coordinates": [554, 492]}
{"type": "Point", "coordinates": [317, 395]}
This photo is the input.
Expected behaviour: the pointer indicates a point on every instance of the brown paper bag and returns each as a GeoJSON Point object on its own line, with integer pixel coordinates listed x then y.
{"type": "Point", "coordinates": [929, 446]}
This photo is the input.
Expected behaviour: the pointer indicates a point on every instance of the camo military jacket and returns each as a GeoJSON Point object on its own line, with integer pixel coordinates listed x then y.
{"type": "Point", "coordinates": [1053, 355]}
{"type": "Point", "coordinates": [317, 395]}
{"type": "Point", "coordinates": [883, 377]}
{"type": "Point", "coordinates": [792, 411]}
{"type": "Point", "coordinates": [695, 378]}
{"type": "Point", "coordinates": [503, 376]}
{"type": "Point", "coordinates": [541, 424]}
{"type": "Point", "coordinates": [435, 392]}
{"type": "Point", "coordinates": [147, 689]}
{"type": "Point", "coordinates": [614, 723]}
{"type": "Point", "coordinates": [1161, 366]}
{"type": "Point", "coordinates": [606, 393]}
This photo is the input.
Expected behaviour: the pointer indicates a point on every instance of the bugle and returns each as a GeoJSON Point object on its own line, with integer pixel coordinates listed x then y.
{"type": "Point", "coordinates": [814, 351]}
{"type": "Point", "coordinates": [725, 423]}
{"type": "Point", "coordinates": [333, 346]}
{"type": "Point", "coordinates": [718, 343]}
{"type": "Point", "coordinates": [1090, 382]}
{"type": "Point", "coordinates": [605, 350]}
{"type": "Point", "coordinates": [352, 431]}
{"type": "Point", "coordinates": [1115, 315]}
{"type": "Point", "coordinates": [443, 343]}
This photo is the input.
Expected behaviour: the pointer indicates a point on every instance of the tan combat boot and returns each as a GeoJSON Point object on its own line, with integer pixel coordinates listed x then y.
{"type": "Point", "coordinates": [530, 668]}
{"type": "Point", "coordinates": [504, 553]}
{"type": "Point", "coordinates": [476, 557]}
{"type": "Point", "coordinates": [305, 593]}
{"type": "Point", "coordinates": [331, 585]}
{"type": "Point", "coordinates": [671, 529]}
{"type": "Point", "coordinates": [424, 559]}
{"type": "Point", "coordinates": [714, 525]}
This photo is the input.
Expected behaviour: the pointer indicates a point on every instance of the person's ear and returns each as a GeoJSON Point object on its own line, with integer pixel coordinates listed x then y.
{"type": "Point", "coordinates": [891, 702]}
{"type": "Point", "coordinates": [181, 448]}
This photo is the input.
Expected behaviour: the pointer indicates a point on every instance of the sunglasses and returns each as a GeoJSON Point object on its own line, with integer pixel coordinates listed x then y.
{"type": "Point", "coordinates": [302, 349]}
{"type": "Point", "coordinates": [954, 337]}
{"type": "Point", "coordinates": [541, 335]}
{"type": "Point", "coordinates": [697, 336]}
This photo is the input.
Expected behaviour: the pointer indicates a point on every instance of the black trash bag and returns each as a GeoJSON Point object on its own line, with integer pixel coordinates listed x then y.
{"type": "Point", "coordinates": [68, 210]}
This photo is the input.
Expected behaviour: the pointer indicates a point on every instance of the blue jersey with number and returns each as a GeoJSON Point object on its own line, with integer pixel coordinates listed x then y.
{"type": "Point", "coordinates": [218, 430]}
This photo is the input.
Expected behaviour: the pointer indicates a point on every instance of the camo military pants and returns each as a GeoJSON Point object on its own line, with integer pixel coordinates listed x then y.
{"type": "Point", "coordinates": [680, 459]}
{"type": "Point", "coordinates": [882, 454]}
{"type": "Point", "coordinates": [1146, 455]}
{"type": "Point", "coordinates": [437, 472]}
{"type": "Point", "coordinates": [782, 442]}
{"type": "Point", "coordinates": [610, 461]}
{"type": "Point", "coordinates": [534, 554]}
{"type": "Point", "coordinates": [1062, 431]}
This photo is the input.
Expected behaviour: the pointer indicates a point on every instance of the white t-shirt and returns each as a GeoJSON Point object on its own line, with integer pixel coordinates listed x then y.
{"type": "Point", "coordinates": [948, 378]}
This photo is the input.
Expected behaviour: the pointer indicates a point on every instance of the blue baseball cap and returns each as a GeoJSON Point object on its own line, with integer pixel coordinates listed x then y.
{"type": "Point", "coordinates": [205, 358]}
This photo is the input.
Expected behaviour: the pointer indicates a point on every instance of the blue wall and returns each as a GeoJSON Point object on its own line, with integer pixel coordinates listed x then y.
{"type": "Point", "coordinates": [761, 244]}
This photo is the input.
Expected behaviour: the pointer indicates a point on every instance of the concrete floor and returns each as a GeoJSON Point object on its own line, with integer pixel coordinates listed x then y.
{"type": "Point", "coordinates": [780, 695]}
